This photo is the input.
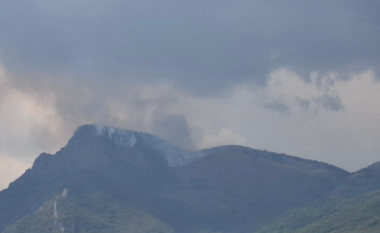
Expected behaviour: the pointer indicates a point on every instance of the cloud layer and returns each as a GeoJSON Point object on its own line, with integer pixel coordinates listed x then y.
{"type": "Point", "coordinates": [325, 118]}
{"type": "Point", "coordinates": [201, 46]}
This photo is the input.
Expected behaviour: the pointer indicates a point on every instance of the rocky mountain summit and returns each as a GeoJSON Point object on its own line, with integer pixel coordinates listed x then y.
{"type": "Point", "coordinates": [95, 157]}
{"type": "Point", "coordinates": [112, 180]}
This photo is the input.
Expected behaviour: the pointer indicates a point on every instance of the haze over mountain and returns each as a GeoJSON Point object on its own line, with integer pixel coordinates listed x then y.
{"type": "Point", "coordinates": [112, 180]}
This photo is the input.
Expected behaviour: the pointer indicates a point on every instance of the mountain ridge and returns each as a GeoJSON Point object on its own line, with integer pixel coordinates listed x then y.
{"type": "Point", "coordinates": [223, 189]}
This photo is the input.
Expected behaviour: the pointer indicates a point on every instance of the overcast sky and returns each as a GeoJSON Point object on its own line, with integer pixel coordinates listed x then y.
{"type": "Point", "coordinates": [299, 77]}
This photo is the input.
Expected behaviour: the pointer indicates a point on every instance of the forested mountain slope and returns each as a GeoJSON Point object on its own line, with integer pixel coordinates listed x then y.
{"type": "Point", "coordinates": [112, 180]}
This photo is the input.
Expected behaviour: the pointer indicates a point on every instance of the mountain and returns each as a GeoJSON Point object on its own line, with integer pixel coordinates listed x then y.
{"type": "Point", "coordinates": [239, 189]}
{"type": "Point", "coordinates": [113, 180]}
{"type": "Point", "coordinates": [353, 207]}
{"type": "Point", "coordinates": [360, 182]}
{"type": "Point", "coordinates": [124, 163]}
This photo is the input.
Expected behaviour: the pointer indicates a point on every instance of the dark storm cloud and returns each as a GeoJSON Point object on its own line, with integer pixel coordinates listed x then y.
{"type": "Point", "coordinates": [201, 45]}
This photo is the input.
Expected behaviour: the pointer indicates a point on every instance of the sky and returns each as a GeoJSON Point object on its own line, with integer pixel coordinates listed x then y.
{"type": "Point", "coordinates": [299, 77]}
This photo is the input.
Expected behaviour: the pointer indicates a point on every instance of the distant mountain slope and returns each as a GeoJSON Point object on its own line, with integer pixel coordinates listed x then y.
{"type": "Point", "coordinates": [239, 188]}
{"type": "Point", "coordinates": [228, 189]}
{"type": "Point", "coordinates": [362, 181]}
{"type": "Point", "coordinates": [352, 207]}
{"type": "Point", "coordinates": [360, 214]}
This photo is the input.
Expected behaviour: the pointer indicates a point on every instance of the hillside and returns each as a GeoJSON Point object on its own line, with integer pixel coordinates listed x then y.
{"type": "Point", "coordinates": [119, 181]}
{"type": "Point", "coordinates": [98, 212]}
{"type": "Point", "coordinates": [360, 182]}
{"type": "Point", "coordinates": [353, 207]}
{"type": "Point", "coordinates": [360, 214]}
{"type": "Point", "coordinates": [239, 188]}
{"type": "Point", "coordinates": [92, 160]}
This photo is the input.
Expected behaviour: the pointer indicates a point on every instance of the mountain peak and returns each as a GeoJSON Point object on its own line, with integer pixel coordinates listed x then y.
{"type": "Point", "coordinates": [231, 189]}
{"type": "Point", "coordinates": [95, 135]}
{"type": "Point", "coordinates": [101, 149]}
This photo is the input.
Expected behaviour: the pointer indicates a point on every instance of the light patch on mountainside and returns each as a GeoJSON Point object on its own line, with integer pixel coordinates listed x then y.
{"type": "Point", "coordinates": [10, 169]}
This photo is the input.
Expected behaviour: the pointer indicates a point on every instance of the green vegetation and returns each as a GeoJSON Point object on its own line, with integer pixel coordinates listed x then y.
{"type": "Point", "coordinates": [359, 214]}
{"type": "Point", "coordinates": [232, 189]}
{"type": "Point", "coordinates": [96, 213]}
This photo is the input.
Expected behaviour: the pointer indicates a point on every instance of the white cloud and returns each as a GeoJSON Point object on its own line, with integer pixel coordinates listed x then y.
{"type": "Point", "coordinates": [23, 119]}
{"type": "Point", "coordinates": [344, 136]}
{"type": "Point", "coordinates": [223, 137]}
{"type": "Point", "coordinates": [10, 169]}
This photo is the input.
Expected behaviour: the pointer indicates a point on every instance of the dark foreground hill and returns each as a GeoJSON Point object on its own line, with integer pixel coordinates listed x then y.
{"type": "Point", "coordinates": [111, 180]}
{"type": "Point", "coordinates": [362, 181]}
{"type": "Point", "coordinates": [352, 207]}
{"type": "Point", "coordinates": [359, 214]}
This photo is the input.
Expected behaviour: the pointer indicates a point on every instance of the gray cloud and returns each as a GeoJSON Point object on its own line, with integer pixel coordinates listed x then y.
{"type": "Point", "coordinates": [279, 107]}
{"type": "Point", "coordinates": [303, 104]}
{"type": "Point", "coordinates": [203, 46]}
{"type": "Point", "coordinates": [330, 103]}
{"type": "Point", "coordinates": [174, 128]}
{"type": "Point", "coordinates": [147, 108]}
